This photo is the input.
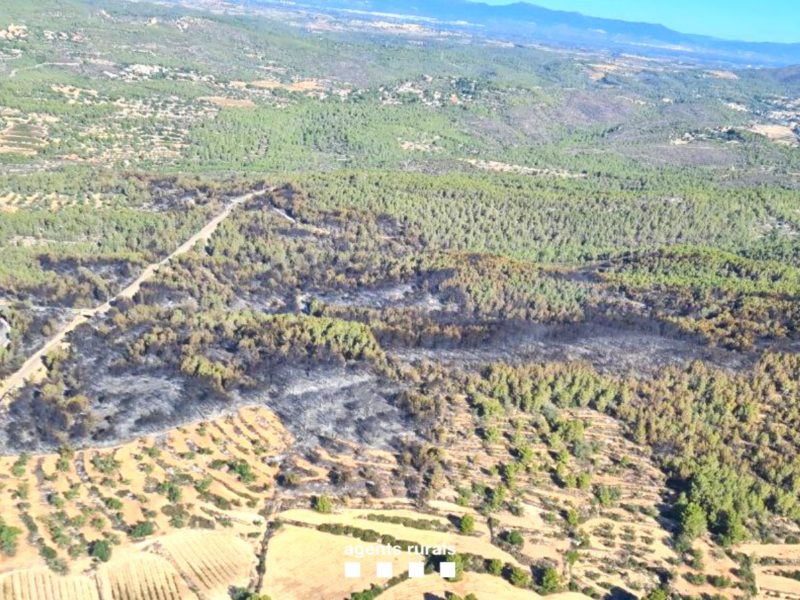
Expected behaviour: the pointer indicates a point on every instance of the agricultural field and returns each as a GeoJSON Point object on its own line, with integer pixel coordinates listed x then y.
{"type": "Point", "coordinates": [282, 287]}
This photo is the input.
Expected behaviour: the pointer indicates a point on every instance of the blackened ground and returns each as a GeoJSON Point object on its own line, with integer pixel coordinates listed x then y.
{"type": "Point", "coordinates": [610, 346]}
{"type": "Point", "coordinates": [335, 403]}
{"type": "Point", "coordinates": [315, 403]}
{"type": "Point", "coordinates": [40, 321]}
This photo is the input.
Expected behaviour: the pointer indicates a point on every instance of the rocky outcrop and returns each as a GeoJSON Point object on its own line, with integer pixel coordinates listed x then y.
{"type": "Point", "coordinates": [5, 333]}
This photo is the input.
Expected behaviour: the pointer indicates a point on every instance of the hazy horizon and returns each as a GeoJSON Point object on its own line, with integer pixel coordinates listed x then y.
{"type": "Point", "coordinates": [741, 20]}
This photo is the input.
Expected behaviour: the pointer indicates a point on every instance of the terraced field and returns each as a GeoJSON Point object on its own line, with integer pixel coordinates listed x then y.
{"type": "Point", "coordinates": [32, 584]}
{"type": "Point", "coordinates": [180, 562]}
{"type": "Point", "coordinates": [141, 577]}
{"type": "Point", "coordinates": [210, 562]}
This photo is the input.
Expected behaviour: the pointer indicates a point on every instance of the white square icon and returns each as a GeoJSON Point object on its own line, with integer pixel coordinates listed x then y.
{"type": "Point", "coordinates": [383, 570]}
{"type": "Point", "coordinates": [352, 570]}
{"type": "Point", "coordinates": [416, 570]}
{"type": "Point", "coordinates": [447, 570]}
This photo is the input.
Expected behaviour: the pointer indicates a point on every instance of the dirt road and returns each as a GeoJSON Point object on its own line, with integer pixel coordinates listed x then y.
{"type": "Point", "coordinates": [34, 366]}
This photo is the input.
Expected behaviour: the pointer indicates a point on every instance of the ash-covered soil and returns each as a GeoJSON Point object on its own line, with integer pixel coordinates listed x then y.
{"type": "Point", "coordinates": [611, 347]}
{"type": "Point", "coordinates": [334, 403]}
{"type": "Point", "coordinates": [319, 400]}
{"type": "Point", "coordinates": [404, 295]}
{"type": "Point", "coordinates": [612, 344]}
{"type": "Point", "coordinates": [322, 402]}
{"type": "Point", "coordinates": [315, 404]}
{"type": "Point", "coordinates": [40, 322]}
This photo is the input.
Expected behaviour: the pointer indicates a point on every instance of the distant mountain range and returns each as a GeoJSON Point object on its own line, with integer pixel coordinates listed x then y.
{"type": "Point", "coordinates": [527, 23]}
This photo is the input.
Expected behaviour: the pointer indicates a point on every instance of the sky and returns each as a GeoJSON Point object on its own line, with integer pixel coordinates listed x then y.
{"type": "Point", "coordinates": [746, 20]}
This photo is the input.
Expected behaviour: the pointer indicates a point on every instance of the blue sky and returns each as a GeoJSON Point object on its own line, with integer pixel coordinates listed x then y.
{"type": "Point", "coordinates": [751, 20]}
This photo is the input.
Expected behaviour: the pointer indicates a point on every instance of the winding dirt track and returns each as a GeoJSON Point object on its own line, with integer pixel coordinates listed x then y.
{"type": "Point", "coordinates": [34, 365]}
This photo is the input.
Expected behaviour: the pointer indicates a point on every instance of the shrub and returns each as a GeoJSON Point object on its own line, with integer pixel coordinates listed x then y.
{"type": "Point", "coordinates": [494, 567]}
{"type": "Point", "coordinates": [243, 470]}
{"type": "Point", "coordinates": [519, 577]}
{"type": "Point", "coordinates": [113, 503]}
{"type": "Point", "coordinates": [8, 538]}
{"type": "Point", "coordinates": [142, 529]}
{"type": "Point", "coordinates": [467, 524]}
{"type": "Point", "coordinates": [693, 521]}
{"type": "Point", "coordinates": [243, 594]}
{"type": "Point", "coordinates": [18, 468]}
{"type": "Point", "coordinates": [607, 495]}
{"type": "Point", "coordinates": [100, 550]}
{"type": "Point", "coordinates": [550, 581]}
{"type": "Point", "coordinates": [513, 537]}
{"type": "Point", "coordinates": [657, 594]}
{"type": "Point", "coordinates": [572, 517]}
{"type": "Point", "coordinates": [322, 504]}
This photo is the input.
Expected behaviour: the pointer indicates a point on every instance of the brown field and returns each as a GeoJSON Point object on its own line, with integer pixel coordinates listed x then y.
{"type": "Point", "coordinates": [226, 102]}
{"type": "Point", "coordinates": [24, 134]}
{"type": "Point", "coordinates": [729, 75]}
{"type": "Point", "coordinates": [84, 488]}
{"type": "Point", "coordinates": [780, 552]}
{"type": "Point", "coordinates": [476, 544]}
{"type": "Point", "coordinates": [211, 562]}
{"type": "Point", "coordinates": [307, 85]}
{"type": "Point", "coordinates": [41, 584]}
{"type": "Point", "coordinates": [141, 576]}
{"type": "Point", "coordinates": [621, 539]}
{"type": "Point", "coordinates": [218, 543]}
{"type": "Point", "coordinates": [780, 134]}
{"type": "Point", "coordinates": [500, 167]}
{"type": "Point", "coordinates": [778, 562]}
{"type": "Point", "coordinates": [483, 586]}
{"type": "Point", "coordinates": [303, 563]}
{"type": "Point", "coordinates": [771, 584]}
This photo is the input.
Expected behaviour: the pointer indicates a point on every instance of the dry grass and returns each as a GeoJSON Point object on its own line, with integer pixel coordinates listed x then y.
{"type": "Point", "coordinates": [142, 576]}
{"type": "Point", "coordinates": [227, 102]}
{"type": "Point", "coordinates": [771, 584]}
{"type": "Point", "coordinates": [304, 563]}
{"type": "Point", "coordinates": [500, 167]}
{"type": "Point", "coordinates": [76, 95]}
{"type": "Point", "coordinates": [780, 134]}
{"type": "Point", "coordinates": [483, 586]}
{"type": "Point", "coordinates": [781, 552]}
{"type": "Point", "coordinates": [41, 584]}
{"type": "Point", "coordinates": [718, 74]}
{"type": "Point", "coordinates": [420, 146]}
{"type": "Point", "coordinates": [304, 85]}
{"type": "Point", "coordinates": [211, 562]}
{"type": "Point", "coordinates": [478, 544]}
{"type": "Point", "coordinates": [24, 134]}
{"type": "Point", "coordinates": [244, 436]}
